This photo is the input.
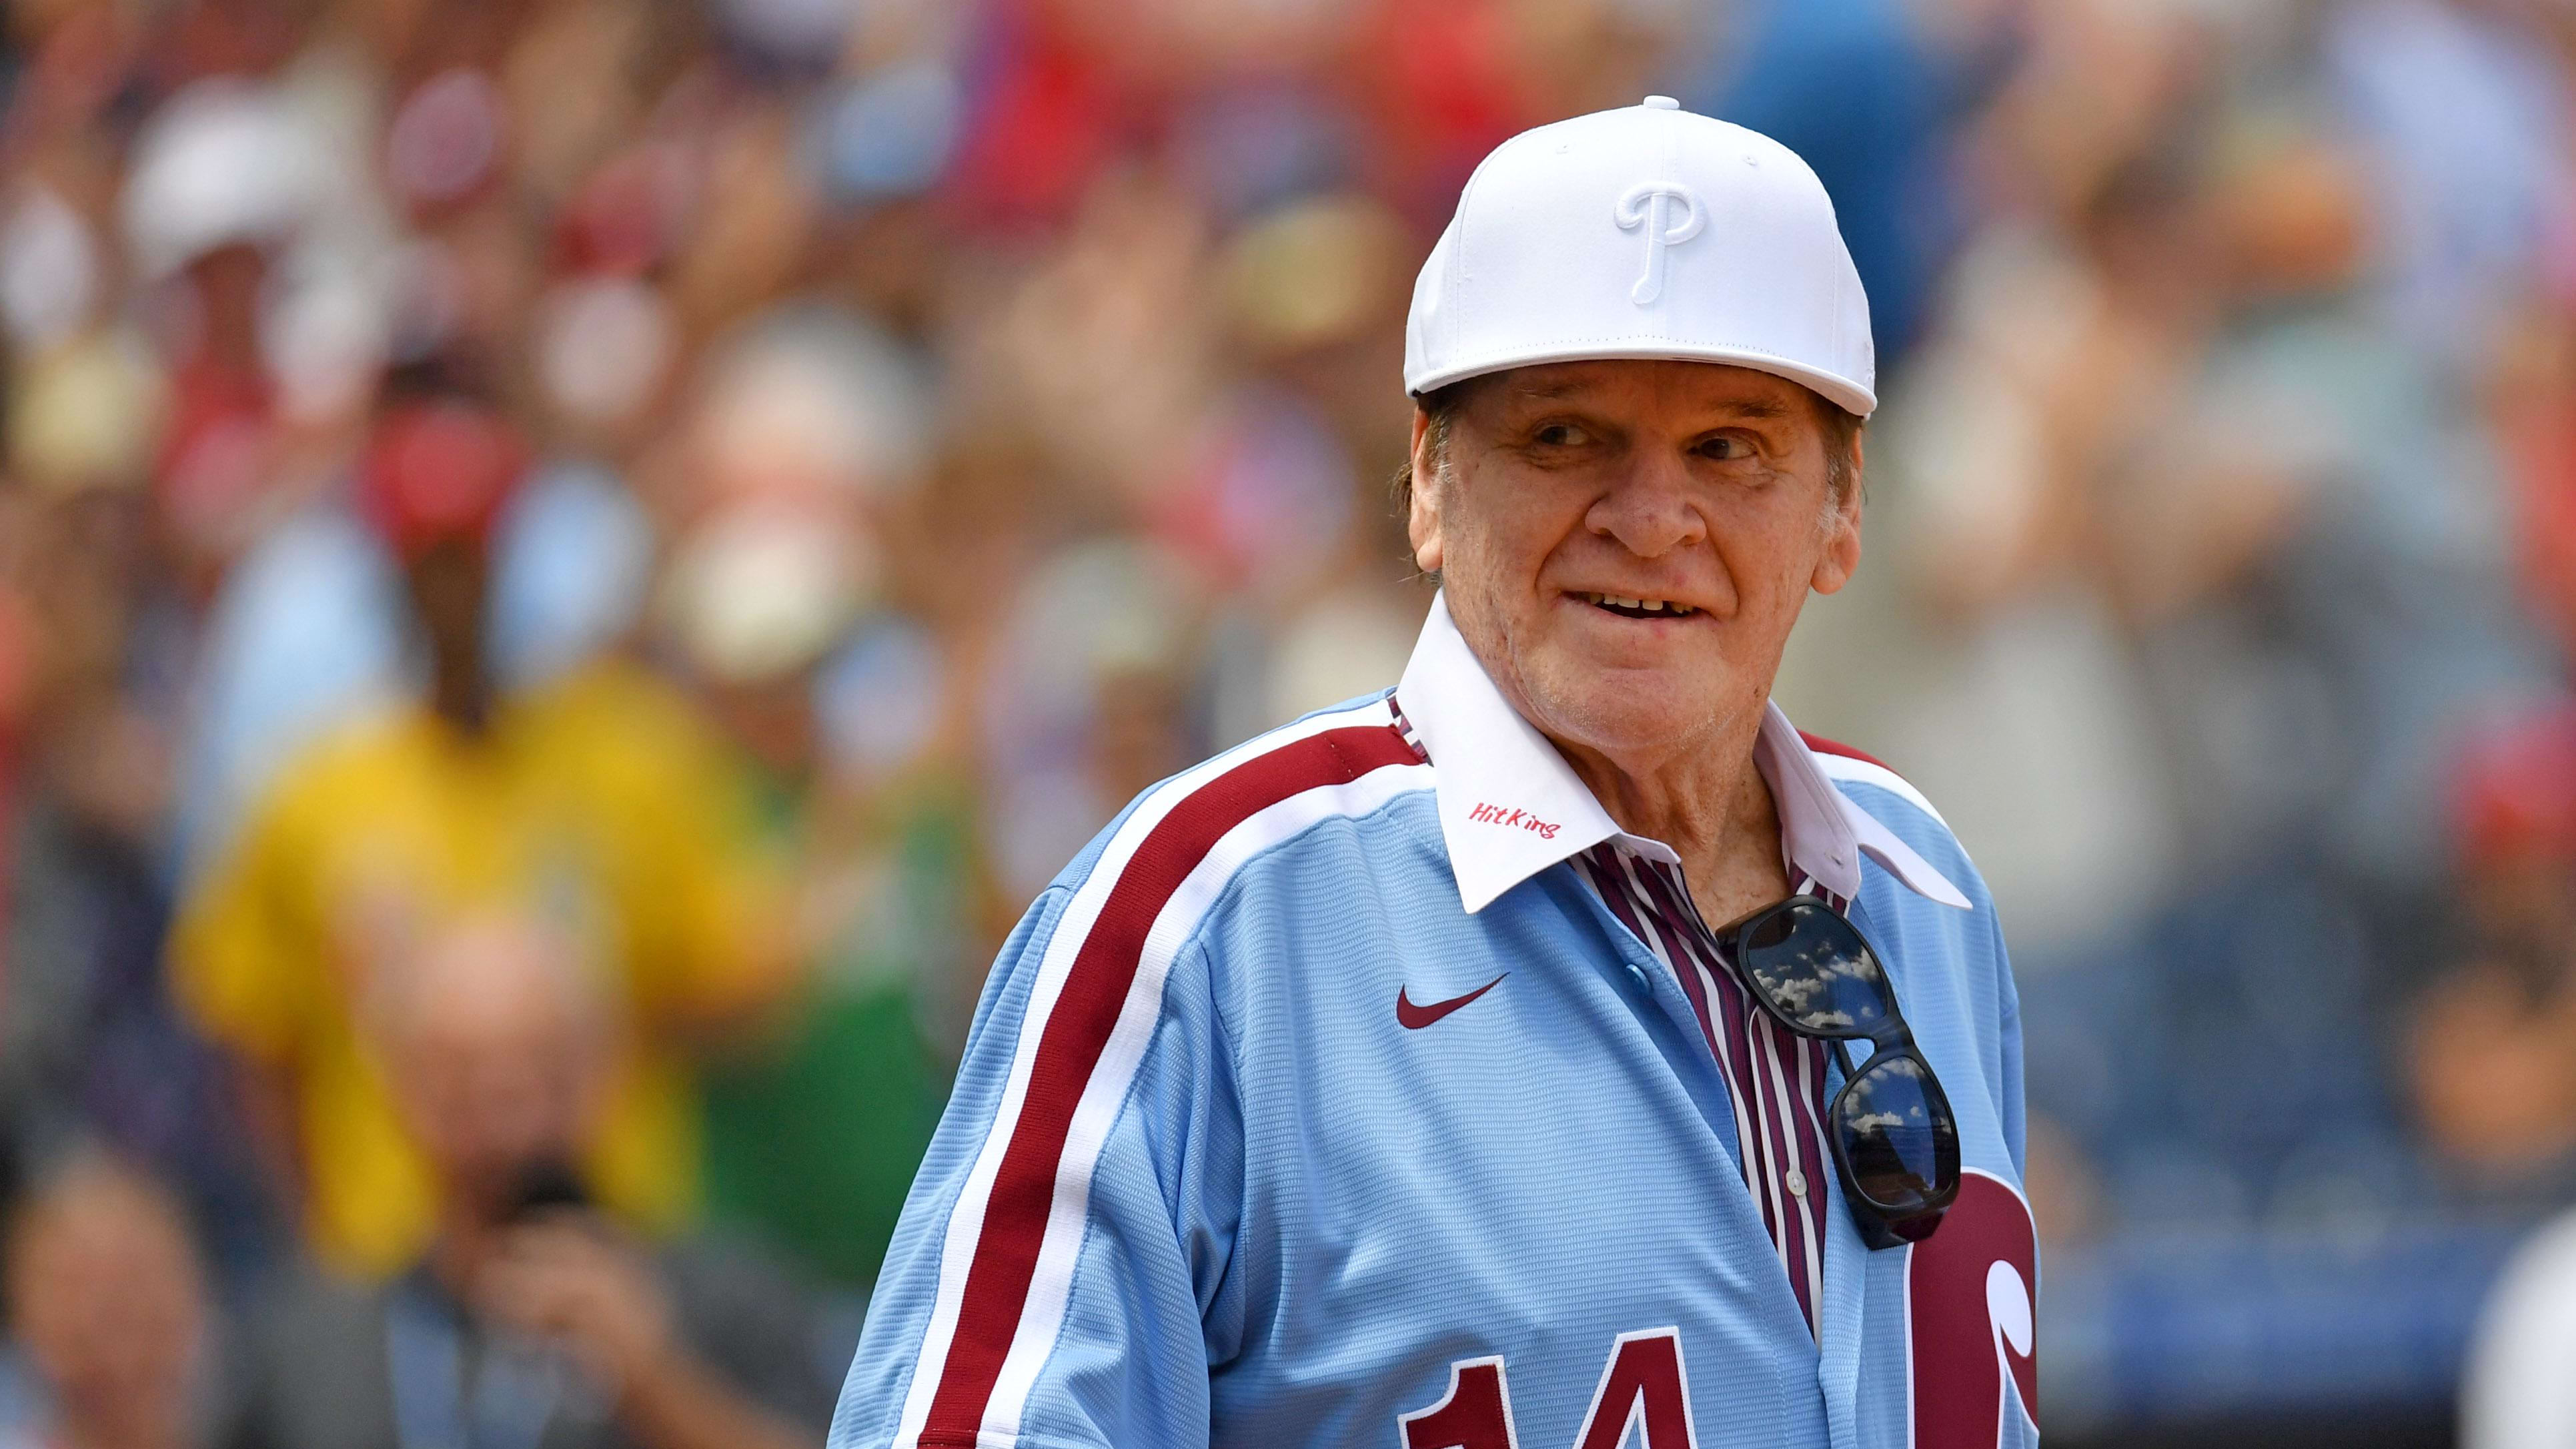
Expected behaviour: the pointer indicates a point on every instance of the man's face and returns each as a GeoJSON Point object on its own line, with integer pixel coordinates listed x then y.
{"type": "Point", "coordinates": [1573, 490]}
{"type": "Point", "coordinates": [495, 1058]}
{"type": "Point", "coordinates": [105, 1295]}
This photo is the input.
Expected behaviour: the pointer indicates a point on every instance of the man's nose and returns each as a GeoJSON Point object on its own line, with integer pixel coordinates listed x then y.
{"type": "Point", "coordinates": [1650, 509]}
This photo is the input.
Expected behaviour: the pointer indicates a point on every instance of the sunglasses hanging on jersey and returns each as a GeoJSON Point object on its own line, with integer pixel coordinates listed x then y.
{"type": "Point", "coordinates": [1895, 1141]}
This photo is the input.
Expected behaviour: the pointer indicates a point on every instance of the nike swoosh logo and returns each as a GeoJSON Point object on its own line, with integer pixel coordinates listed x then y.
{"type": "Point", "coordinates": [1415, 1018]}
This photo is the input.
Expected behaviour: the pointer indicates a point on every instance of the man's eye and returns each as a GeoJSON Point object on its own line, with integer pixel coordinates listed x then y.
{"type": "Point", "coordinates": [1726, 450]}
{"type": "Point", "coordinates": [1560, 435]}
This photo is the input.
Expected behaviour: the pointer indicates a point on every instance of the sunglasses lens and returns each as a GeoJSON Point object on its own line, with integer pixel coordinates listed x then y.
{"type": "Point", "coordinates": [1816, 970]}
{"type": "Point", "coordinates": [1898, 1135]}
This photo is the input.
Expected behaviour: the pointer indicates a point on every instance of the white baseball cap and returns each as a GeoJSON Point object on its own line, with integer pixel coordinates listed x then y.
{"type": "Point", "coordinates": [1643, 232]}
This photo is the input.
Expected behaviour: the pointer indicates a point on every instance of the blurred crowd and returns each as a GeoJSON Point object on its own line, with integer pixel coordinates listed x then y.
{"type": "Point", "coordinates": [568, 566]}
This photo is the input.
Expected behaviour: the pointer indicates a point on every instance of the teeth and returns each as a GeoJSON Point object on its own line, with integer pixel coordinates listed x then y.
{"type": "Point", "coordinates": [1643, 606]}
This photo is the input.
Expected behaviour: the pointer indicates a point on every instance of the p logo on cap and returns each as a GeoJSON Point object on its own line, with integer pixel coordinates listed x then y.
{"type": "Point", "coordinates": [1648, 205]}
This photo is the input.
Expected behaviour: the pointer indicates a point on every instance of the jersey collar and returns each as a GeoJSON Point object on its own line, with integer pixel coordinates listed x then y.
{"type": "Point", "coordinates": [1510, 806]}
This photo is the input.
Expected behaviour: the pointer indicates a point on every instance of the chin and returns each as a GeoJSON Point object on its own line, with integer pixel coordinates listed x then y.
{"type": "Point", "coordinates": [1619, 711]}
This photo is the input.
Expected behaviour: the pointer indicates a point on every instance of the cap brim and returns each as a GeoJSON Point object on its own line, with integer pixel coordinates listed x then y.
{"type": "Point", "coordinates": [1842, 391]}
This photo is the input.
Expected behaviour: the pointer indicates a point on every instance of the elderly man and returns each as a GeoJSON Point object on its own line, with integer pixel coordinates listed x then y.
{"type": "Point", "coordinates": [1560, 1050]}
{"type": "Point", "coordinates": [531, 1320]}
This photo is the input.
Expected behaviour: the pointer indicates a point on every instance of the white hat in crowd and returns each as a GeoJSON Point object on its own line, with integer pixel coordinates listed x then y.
{"type": "Point", "coordinates": [1643, 232]}
{"type": "Point", "coordinates": [221, 164]}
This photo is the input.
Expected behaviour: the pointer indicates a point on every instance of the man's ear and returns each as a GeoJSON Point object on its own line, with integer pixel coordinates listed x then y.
{"type": "Point", "coordinates": [1422, 510]}
{"type": "Point", "coordinates": [1842, 532]}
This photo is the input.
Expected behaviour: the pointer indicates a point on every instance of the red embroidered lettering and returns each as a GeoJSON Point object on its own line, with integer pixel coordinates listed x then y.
{"type": "Point", "coordinates": [1492, 814]}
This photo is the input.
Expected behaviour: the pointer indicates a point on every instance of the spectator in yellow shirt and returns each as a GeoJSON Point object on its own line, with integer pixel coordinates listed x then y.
{"type": "Point", "coordinates": [597, 802]}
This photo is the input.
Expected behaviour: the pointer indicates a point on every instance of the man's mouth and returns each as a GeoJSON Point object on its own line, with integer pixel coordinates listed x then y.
{"type": "Point", "coordinates": [1628, 608]}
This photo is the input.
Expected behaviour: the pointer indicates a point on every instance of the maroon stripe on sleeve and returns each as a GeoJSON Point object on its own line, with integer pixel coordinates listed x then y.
{"type": "Point", "coordinates": [1076, 1032]}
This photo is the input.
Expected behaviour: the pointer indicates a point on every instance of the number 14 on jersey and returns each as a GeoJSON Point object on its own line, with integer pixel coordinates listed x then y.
{"type": "Point", "coordinates": [1642, 1388]}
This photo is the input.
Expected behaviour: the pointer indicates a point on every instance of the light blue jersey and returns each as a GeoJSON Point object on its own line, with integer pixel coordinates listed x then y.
{"type": "Point", "coordinates": [1319, 1102]}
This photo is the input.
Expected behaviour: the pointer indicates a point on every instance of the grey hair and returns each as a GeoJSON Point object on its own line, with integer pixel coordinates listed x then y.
{"type": "Point", "coordinates": [1440, 406]}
